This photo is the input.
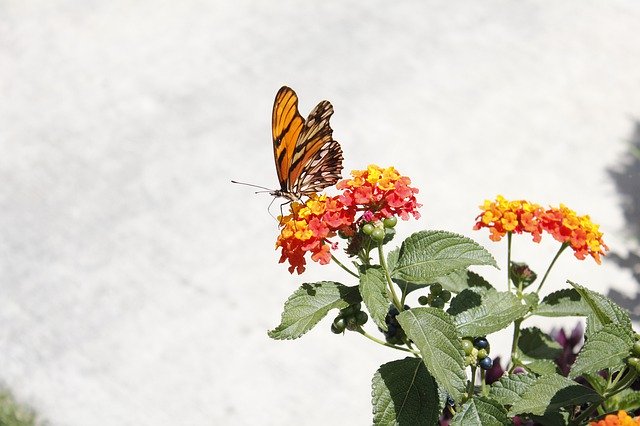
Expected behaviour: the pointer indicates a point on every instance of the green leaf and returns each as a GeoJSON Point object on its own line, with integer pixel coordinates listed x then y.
{"type": "Point", "coordinates": [509, 388]}
{"type": "Point", "coordinates": [563, 303]}
{"type": "Point", "coordinates": [428, 255]}
{"type": "Point", "coordinates": [404, 393]}
{"type": "Point", "coordinates": [542, 367]}
{"type": "Point", "coordinates": [373, 288]}
{"type": "Point", "coordinates": [629, 401]}
{"type": "Point", "coordinates": [550, 393]}
{"type": "Point", "coordinates": [481, 411]}
{"type": "Point", "coordinates": [434, 334]}
{"type": "Point", "coordinates": [478, 312]}
{"type": "Point", "coordinates": [606, 348]}
{"type": "Point", "coordinates": [534, 344]}
{"type": "Point", "coordinates": [559, 418]}
{"type": "Point", "coordinates": [603, 308]}
{"type": "Point", "coordinates": [309, 304]}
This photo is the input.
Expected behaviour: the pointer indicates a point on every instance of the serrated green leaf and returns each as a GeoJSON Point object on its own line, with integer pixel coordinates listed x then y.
{"type": "Point", "coordinates": [606, 348]}
{"type": "Point", "coordinates": [481, 411]}
{"type": "Point", "coordinates": [404, 393]}
{"type": "Point", "coordinates": [427, 255]}
{"type": "Point", "coordinates": [542, 367]}
{"type": "Point", "coordinates": [563, 303]}
{"type": "Point", "coordinates": [373, 288]}
{"type": "Point", "coordinates": [531, 299]}
{"type": "Point", "coordinates": [550, 393]}
{"type": "Point", "coordinates": [534, 344]}
{"type": "Point", "coordinates": [309, 304]}
{"type": "Point", "coordinates": [434, 334]}
{"type": "Point", "coordinates": [603, 308]}
{"type": "Point", "coordinates": [509, 388]}
{"type": "Point", "coordinates": [478, 312]}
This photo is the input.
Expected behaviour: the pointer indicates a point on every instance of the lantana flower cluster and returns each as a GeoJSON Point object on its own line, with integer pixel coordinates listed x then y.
{"type": "Point", "coordinates": [370, 195]}
{"type": "Point", "coordinates": [579, 232]}
{"type": "Point", "coordinates": [621, 419]}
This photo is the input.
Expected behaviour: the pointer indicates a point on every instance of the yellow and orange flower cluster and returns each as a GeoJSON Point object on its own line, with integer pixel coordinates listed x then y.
{"type": "Point", "coordinates": [381, 192]}
{"type": "Point", "coordinates": [621, 419]}
{"type": "Point", "coordinates": [579, 232]}
{"type": "Point", "coordinates": [372, 194]}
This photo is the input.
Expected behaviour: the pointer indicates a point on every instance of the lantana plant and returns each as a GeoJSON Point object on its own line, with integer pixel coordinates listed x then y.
{"type": "Point", "coordinates": [446, 374]}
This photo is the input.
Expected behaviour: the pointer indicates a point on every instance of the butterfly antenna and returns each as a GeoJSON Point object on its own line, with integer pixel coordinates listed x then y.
{"type": "Point", "coordinates": [252, 185]}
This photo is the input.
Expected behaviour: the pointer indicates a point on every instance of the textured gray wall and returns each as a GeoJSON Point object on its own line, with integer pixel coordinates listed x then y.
{"type": "Point", "coordinates": [137, 284]}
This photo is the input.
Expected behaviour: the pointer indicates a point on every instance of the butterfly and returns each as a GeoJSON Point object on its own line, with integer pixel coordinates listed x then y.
{"type": "Point", "coordinates": [307, 157]}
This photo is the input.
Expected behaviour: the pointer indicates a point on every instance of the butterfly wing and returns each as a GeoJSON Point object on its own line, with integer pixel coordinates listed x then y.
{"type": "Point", "coordinates": [317, 159]}
{"type": "Point", "coordinates": [307, 158]}
{"type": "Point", "coordinates": [286, 125]}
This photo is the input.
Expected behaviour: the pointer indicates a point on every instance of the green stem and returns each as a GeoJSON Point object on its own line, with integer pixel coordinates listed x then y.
{"type": "Point", "coordinates": [383, 263]}
{"type": "Point", "coordinates": [585, 415]}
{"type": "Point", "coordinates": [514, 344]}
{"type": "Point", "coordinates": [383, 343]}
{"type": "Point", "coordinates": [546, 274]}
{"type": "Point", "coordinates": [626, 381]}
{"type": "Point", "coordinates": [344, 267]}
{"type": "Point", "coordinates": [509, 261]}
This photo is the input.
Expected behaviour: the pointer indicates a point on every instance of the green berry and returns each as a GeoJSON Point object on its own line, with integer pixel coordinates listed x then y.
{"type": "Point", "coordinates": [390, 222]}
{"type": "Point", "coordinates": [437, 302]}
{"type": "Point", "coordinates": [361, 317]}
{"type": "Point", "coordinates": [436, 289]}
{"type": "Point", "coordinates": [423, 300]}
{"type": "Point", "coordinates": [352, 323]}
{"type": "Point", "coordinates": [339, 324]}
{"type": "Point", "coordinates": [467, 345]}
{"type": "Point", "coordinates": [445, 295]}
{"type": "Point", "coordinates": [636, 348]}
{"type": "Point", "coordinates": [633, 361]}
{"type": "Point", "coordinates": [367, 228]}
{"type": "Point", "coordinates": [482, 353]}
{"type": "Point", "coordinates": [377, 234]}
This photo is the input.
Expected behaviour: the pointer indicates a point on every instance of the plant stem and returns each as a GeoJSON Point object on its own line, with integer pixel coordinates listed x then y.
{"type": "Point", "coordinates": [546, 274]}
{"type": "Point", "coordinates": [509, 261]}
{"type": "Point", "coordinates": [383, 263]}
{"type": "Point", "coordinates": [344, 267]}
{"type": "Point", "coordinates": [383, 343]}
{"type": "Point", "coordinates": [514, 344]}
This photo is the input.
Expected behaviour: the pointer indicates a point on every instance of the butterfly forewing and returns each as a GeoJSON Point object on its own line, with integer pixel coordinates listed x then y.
{"type": "Point", "coordinates": [307, 158]}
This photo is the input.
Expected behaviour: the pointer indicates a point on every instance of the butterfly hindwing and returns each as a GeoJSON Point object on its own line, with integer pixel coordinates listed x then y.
{"type": "Point", "coordinates": [307, 158]}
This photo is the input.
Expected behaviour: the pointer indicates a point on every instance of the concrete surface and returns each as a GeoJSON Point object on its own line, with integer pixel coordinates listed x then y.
{"type": "Point", "coordinates": [137, 283]}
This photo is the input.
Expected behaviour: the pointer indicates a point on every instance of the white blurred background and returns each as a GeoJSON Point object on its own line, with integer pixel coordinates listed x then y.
{"type": "Point", "coordinates": [137, 284]}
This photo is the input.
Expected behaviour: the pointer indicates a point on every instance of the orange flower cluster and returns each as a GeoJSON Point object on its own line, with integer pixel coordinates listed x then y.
{"type": "Point", "coordinates": [503, 216]}
{"type": "Point", "coordinates": [376, 193]}
{"type": "Point", "coordinates": [381, 192]}
{"type": "Point", "coordinates": [308, 228]}
{"type": "Point", "coordinates": [621, 419]}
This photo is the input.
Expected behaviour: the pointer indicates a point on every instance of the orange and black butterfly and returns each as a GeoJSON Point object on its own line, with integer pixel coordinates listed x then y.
{"type": "Point", "coordinates": [307, 158]}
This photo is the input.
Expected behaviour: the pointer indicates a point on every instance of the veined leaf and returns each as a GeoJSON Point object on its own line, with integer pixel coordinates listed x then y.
{"type": "Point", "coordinates": [373, 288]}
{"type": "Point", "coordinates": [550, 393]}
{"type": "Point", "coordinates": [427, 255]}
{"type": "Point", "coordinates": [509, 388]}
{"type": "Point", "coordinates": [606, 348]}
{"type": "Point", "coordinates": [603, 308]}
{"type": "Point", "coordinates": [404, 393]}
{"type": "Point", "coordinates": [478, 312]}
{"type": "Point", "coordinates": [434, 334]}
{"type": "Point", "coordinates": [309, 304]}
{"type": "Point", "coordinates": [563, 303]}
{"type": "Point", "coordinates": [481, 411]}
{"type": "Point", "coordinates": [534, 344]}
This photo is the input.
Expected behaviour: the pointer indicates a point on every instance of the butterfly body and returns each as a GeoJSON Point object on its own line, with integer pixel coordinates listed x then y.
{"type": "Point", "coordinates": [307, 157]}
